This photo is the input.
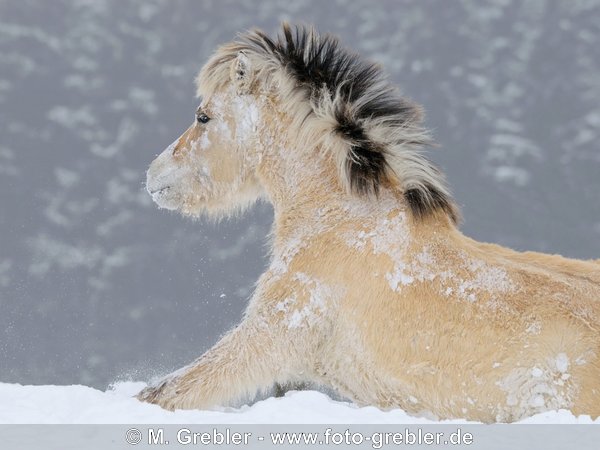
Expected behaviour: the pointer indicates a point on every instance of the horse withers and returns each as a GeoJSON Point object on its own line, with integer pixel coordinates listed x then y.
{"type": "Point", "coordinates": [371, 289]}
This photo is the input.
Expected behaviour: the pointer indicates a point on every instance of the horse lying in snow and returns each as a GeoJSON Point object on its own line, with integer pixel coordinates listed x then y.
{"type": "Point", "coordinates": [371, 290]}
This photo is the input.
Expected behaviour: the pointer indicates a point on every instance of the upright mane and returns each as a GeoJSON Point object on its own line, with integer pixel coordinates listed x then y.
{"type": "Point", "coordinates": [345, 103]}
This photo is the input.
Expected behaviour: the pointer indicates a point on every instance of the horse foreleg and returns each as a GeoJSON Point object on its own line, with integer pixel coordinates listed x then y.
{"type": "Point", "coordinates": [241, 364]}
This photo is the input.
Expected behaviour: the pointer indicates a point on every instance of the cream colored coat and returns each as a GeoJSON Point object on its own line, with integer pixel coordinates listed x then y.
{"type": "Point", "coordinates": [361, 296]}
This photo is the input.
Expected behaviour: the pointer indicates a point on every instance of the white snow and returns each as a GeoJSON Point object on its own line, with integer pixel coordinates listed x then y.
{"type": "Point", "coordinates": [562, 362]}
{"type": "Point", "coordinates": [537, 372]}
{"type": "Point", "coordinates": [389, 236]}
{"type": "Point", "coordinates": [320, 295]}
{"type": "Point", "coordinates": [81, 404]}
{"type": "Point", "coordinates": [247, 115]}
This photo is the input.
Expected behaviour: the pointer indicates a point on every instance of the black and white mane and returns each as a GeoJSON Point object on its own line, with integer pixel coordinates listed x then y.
{"type": "Point", "coordinates": [380, 132]}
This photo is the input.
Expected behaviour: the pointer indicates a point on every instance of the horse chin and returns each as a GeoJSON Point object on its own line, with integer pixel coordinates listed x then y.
{"type": "Point", "coordinates": [206, 206]}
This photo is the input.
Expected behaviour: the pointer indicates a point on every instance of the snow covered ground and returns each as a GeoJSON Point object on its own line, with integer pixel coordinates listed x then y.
{"type": "Point", "coordinates": [80, 404]}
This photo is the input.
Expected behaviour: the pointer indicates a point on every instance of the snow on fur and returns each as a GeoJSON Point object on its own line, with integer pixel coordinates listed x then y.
{"type": "Point", "coordinates": [371, 291]}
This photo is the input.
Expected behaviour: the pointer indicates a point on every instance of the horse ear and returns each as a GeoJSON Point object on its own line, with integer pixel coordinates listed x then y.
{"type": "Point", "coordinates": [241, 73]}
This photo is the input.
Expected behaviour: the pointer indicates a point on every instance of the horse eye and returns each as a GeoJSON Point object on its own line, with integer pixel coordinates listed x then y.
{"type": "Point", "coordinates": [202, 118]}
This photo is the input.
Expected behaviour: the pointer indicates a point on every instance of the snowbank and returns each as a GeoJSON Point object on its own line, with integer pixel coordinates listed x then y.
{"type": "Point", "coordinates": [81, 404]}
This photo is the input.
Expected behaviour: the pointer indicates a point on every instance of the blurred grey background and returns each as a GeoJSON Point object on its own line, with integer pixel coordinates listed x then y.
{"type": "Point", "coordinates": [97, 284]}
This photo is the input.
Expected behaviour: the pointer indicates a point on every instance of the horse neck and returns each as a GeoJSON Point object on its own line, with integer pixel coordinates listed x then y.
{"type": "Point", "coordinates": [303, 185]}
{"type": "Point", "coordinates": [308, 197]}
{"type": "Point", "coordinates": [293, 173]}
{"type": "Point", "coordinates": [297, 177]}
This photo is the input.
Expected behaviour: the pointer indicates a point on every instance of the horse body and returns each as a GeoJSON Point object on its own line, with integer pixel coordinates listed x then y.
{"type": "Point", "coordinates": [372, 290]}
{"type": "Point", "coordinates": [466, 332]}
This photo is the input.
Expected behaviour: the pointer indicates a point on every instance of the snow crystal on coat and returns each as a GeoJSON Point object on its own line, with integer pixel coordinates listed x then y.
{"type": "Point", "coordinates": [319, 296]}
{"type": "Point", "coordinates": [247, 117]}
{"type": "Point", "coordinates": [539, 388]}
{"type": "Point", "coordinates": [389, 236]}
{"type": "Point", "coordinates": [562, 362]}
